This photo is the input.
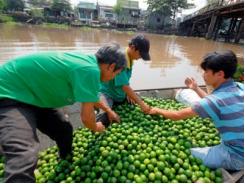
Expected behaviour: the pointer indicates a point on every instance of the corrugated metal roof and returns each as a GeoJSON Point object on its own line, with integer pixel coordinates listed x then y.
{"type": "Point", "coordinates": [87, 5]}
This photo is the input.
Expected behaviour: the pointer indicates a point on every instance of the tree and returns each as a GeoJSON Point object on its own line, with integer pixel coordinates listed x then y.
{"type": "Point", "coordinates": [39, 3]}
{"type": "Point", "coordinates": [2, 5]}
{"type": "Point", "coordinates": [61, 5]}
{"type": "Point", "coordinates": [118, 9]}
{"type": "Point", "coordinates": [14, 5]}
{"type": "Point", "coordinates": [212, 1]}
{"type": "Point", "coordinates": [167, 7]}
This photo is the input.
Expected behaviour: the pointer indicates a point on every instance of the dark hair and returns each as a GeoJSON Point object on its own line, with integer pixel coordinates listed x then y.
{"type": "Point", "coordinates": [111, 53]}
{"type": "Point", "coordinates": [142, 44]}
{"type": "Point", "coordinates": [225, 61]}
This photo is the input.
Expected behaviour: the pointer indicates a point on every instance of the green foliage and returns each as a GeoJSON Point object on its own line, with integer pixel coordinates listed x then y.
{"type": "Point", "coordinates": [14, 5]}
{"type": "Point", "coordinates": [159, 5]}
{"type": "Point", "coordinates": [36, 12]}
{"type": "Point", "coordinates": [2, 5]}
{"type": "Point", "coordinates": [39, 3]}
{"type": "Point", "coordinates": [167, 7]}
{"type": "Point", "coordinates": [61, 5]}
{"type": "Point", "coordinates": [239, 75]}
{"type": "Point", "coordinates": [5, 18]}
{"type": "Point", "coordinates": [212, 1]}
{"type": "Point", "coordinates": [118, 8]}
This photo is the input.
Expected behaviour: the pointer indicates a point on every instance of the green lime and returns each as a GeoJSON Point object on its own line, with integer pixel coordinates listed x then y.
{"type": "Point", "coordinates": [116, 173]}
{"type": "Point", "coordinates": [161, 166]}
{"type": "Point", "coordinates": [218, 180]}
{"type": "Point", "coordinates": [218, 172]}
{"type": "Point", "coordinates": [130, 175]}
{"type": "Point", "coordinates": [152, 176]}
{"type": "Point", "coordinates": [164, 179]}
{"type": "Point", "coordinates": [183, 178]}
{"type": "Point", "coordinates": [104, 175]}
{"type": "Point", "coordinates": [158, 176]}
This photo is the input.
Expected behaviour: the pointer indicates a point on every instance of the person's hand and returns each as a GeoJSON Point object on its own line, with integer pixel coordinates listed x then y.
{"type": "Point", "coordinates": [191, 83]}
{"type": "Point", "coordinates": [113, 116]}
{"type": "Point", "coordinates": [154, 110]}
{"type": "Point", "coordinates": [99, 127]}
{"type": "Point", "coordinates": [145, 108]}
{"type": "Point", "coordinates": [130, 101]}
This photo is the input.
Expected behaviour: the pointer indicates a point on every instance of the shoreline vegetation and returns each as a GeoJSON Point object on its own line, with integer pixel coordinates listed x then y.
{"type": "Point", "coordinates": [9, 20]}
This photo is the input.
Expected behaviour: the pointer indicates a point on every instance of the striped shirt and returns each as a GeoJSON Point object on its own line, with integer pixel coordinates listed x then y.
{"type": "Point", "coordinates": [225, 106]}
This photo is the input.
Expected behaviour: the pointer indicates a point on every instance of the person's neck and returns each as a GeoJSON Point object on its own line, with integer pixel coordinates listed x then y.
{"type": "Point", "coordinates": [219, 83]}
{"type": "Point", "coordinates": [129, 54]}
{"type": "Point", "coordinates": [102, 69]}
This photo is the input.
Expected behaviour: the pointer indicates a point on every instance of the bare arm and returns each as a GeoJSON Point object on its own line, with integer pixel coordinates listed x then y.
{"type": "Point", "coordinates": [200, 92]}
{"type": "Point", "coordinates": [112, 115]}
{"type": "Point", "coordinates": [191, 83]}
{"type": "Point", "coordinates": [132, 95]}
{"type": "Point", "coordinates": [88, 117]}
{"type": "Point", "coordinates": [174, 115]}
{"type": "Point", "coordinates": [102, 105]}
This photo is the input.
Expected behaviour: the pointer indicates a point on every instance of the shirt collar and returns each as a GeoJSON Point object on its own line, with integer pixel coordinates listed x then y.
{"type": "Point", "coordinates": [228, 83]}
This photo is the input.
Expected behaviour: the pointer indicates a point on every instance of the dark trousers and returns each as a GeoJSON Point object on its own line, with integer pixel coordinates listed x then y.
{"type": "Point", "coordinates": [19, 141]}
{"type": "Point", "coordinates": [101, 115]}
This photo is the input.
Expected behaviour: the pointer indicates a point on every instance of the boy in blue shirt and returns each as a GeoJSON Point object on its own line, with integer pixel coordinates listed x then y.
{"type": "Point", "coordinates": [225, 106]}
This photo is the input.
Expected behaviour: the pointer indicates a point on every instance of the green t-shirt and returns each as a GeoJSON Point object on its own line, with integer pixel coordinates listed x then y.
{"type": "Point", "coordinates": [113, 88]}
{"type": "Point", "coordinates": [51, 79]}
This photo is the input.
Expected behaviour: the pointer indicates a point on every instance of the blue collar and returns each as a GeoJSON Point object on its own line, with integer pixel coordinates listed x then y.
{"type": "Point", "coordinates": [228, 83]}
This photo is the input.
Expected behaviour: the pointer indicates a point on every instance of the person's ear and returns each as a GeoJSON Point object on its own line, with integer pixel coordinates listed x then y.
{"type": "Point", "coordinates": [112, 67]}
{"type": "Point", "coordinates": [135, 48]}
{"type": "Point", "coordinates": [132, 47]}
{"type": "Point", "coordinates": [221, 74]}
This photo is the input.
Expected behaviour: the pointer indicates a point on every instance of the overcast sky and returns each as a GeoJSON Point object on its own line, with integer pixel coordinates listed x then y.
{"type": "Point", "coordinates": [143, 5]}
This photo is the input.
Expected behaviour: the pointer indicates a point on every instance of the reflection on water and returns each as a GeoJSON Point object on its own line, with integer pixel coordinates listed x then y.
{"type": "Point", "coordinates": [173, 58]}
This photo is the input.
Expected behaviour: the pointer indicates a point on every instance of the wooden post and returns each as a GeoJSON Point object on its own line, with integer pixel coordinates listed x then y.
{"type": "Point", "coordinates": [230, 30]}
{"type": "Point", "coordinates": [193, 28]}
{"type": "Point", "coordinates": [188, 29]}
{"type": "Point", "coordinates": [219, 21]}
{"type": "Point", "coordinates": [240, 31]}
{"type": "Point", "coordinates": [206, 27]}
{"type": "Point", "coordinates": [211, 26]}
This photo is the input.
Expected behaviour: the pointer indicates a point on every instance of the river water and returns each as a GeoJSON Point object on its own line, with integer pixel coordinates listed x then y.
{"type": "Point", "coordinates": [173, 58]}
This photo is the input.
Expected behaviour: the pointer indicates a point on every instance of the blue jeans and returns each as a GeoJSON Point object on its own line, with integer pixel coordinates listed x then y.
{"type": "Point", "coordinates": [218, 157]}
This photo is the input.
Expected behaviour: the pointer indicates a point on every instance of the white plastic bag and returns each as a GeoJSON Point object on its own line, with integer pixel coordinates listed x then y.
{"type": "Point", "coordinates": [187, 96]}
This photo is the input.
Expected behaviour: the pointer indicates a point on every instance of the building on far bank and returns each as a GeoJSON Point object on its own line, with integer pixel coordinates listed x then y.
{"type": "Point", "coordinates": [129, 15]}
{"type": "Point", "coordinates": [157, 21]}
{"type": "Point", "coordinates": [106, 14]}
{"type": "Point", "coordinates": [87, 12]}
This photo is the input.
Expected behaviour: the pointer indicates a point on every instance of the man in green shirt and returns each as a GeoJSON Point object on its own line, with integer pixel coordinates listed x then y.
{"type": "Point", "coordinates": [31, 89]}
{"type": "Point", "coordinates": [118, 89]}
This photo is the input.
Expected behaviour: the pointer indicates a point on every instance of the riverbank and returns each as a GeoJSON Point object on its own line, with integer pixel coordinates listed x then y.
{"type": "Point", "coordinates": [66, 22]}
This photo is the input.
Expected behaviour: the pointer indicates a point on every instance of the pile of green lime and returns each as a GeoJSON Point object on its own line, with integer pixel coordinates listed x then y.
{"type": "Point", "coordinates": [142, 148]}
